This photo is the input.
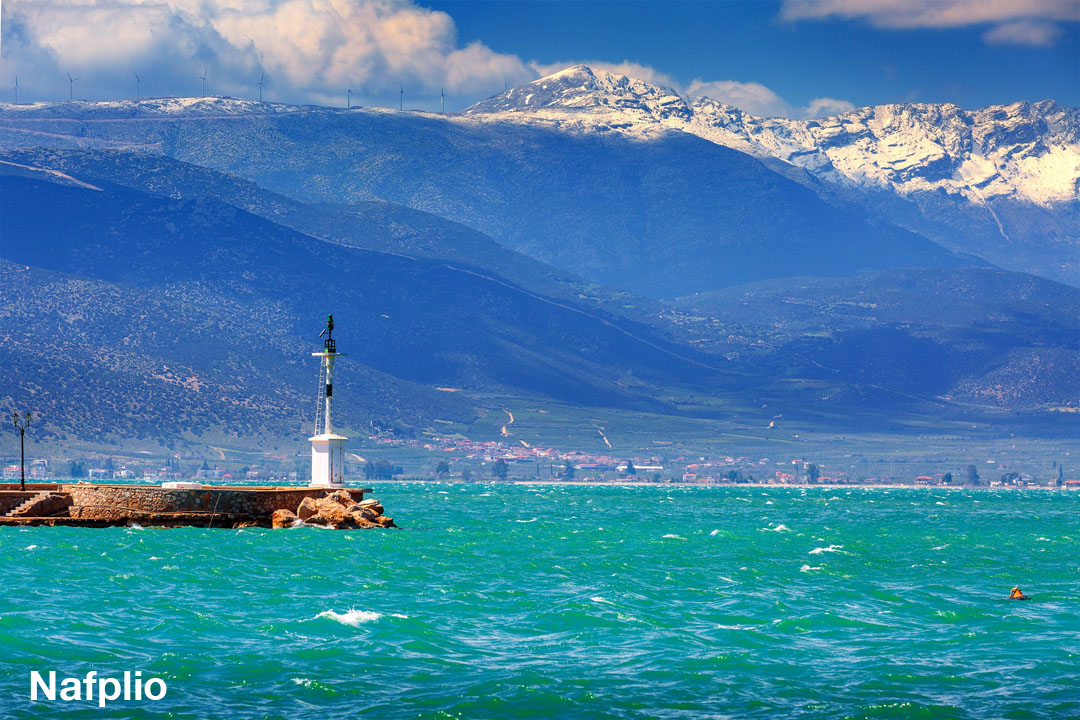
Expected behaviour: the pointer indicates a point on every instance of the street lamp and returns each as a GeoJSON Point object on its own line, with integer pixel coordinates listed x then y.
{"type": "Point", "coordinates": [21, 424]}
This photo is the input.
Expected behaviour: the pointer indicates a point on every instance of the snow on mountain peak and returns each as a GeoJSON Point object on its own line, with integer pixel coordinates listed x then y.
{"type": "Point", "coordinates": [582, 88]}
{"type": "Point", "coordinates": [1023, 151]}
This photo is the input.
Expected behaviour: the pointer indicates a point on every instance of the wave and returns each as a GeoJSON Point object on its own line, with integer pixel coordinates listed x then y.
{"type": "Point", "coordinates": [674, 537]}
{"type": "Point", "coordinates": [779, 528]}
{"type": "Point", "coordinates": [807, 568]}
{"type": "Point", "coordinates": [527, 521]}
{"type": "Point", "coordinates": [831, 548]}
{"type": "Point", "coordinates": [355, 618]}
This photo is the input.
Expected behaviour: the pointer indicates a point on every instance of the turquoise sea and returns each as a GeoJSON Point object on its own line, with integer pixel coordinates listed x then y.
{"type": "Point", "coordinates": [570, 602]}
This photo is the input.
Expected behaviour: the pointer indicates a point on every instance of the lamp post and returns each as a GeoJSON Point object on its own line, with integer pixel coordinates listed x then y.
{"type": "Point", "coordinates": [21, 424]}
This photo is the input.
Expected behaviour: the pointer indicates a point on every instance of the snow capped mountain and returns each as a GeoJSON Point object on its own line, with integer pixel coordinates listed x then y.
{"type": "Point", "coordinates": [1002, 183]}
{"type": "Point", "coordinates": [1023, 151]}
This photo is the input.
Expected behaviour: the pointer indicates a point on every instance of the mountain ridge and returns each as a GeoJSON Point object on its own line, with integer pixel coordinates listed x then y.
{"type": "Point", "coordinates": [976, 181]}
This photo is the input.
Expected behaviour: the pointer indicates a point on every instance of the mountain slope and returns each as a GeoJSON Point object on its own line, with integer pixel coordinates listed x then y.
{"type": "Point", "coordinates": [675, 215]}
{"type": "Point", "coordinates": [228, 298]}
{"type": "Point", "coordinates": [976, 181]}
{"type": "Point", "coordinates": [981, 336]}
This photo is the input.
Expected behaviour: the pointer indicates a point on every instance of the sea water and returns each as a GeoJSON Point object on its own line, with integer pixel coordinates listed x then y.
{"type": "Point", "coordinates": [499, 601]}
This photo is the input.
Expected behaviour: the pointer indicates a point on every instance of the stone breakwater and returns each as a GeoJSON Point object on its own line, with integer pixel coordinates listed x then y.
{"type": "Point", "coordinates": [90, 505]}
{"type": "Point", "coordinates": [339, 509]}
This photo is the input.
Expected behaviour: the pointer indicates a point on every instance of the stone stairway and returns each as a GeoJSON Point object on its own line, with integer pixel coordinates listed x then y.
{"type": "Point", "coordinates": [27, 504]}
{"type": "Point", "coordinates": [42, 504]}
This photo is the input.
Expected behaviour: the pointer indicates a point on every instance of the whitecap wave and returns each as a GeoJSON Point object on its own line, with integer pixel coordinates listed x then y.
{"type": "Point", "coordinates": [598, 599]}
{"type": "Point", "coordinates": [527, 521]}
{"type": "Point", "coordinates": [31, 547]}
{"type": "Point", "coordinates": [808, 568]}
{"type": "Point", "coordinates": [779, 528]}
{"type": "Point", "coordinates": [674, 537]}
{"type": "Point", "coordinates": [714, 532]}
{"type": "Point", "coordinates": [355, 618]}
{"type": "Point", "coordinates": [831, 548]}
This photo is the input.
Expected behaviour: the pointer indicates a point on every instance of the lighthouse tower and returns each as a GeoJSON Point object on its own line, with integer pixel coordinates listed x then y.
{"type": "Point", "coordinates": [327, 449]}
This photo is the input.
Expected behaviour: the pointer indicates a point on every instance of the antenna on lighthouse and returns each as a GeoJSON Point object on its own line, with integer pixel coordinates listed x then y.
{"type": "Point", "coordinates": [203, 78]}
{"type": "Point", "coordinates": [327, 448]}
{"type": "Point", "coordinates": [260, 84]}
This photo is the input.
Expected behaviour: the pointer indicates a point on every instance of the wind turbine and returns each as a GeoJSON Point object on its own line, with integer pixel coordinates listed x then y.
{"type": "Point", "coordinates": [260, 84]}
{"type": "Point", "coordinates": [71, 86]}
{"type": "Point", "coordinates": [401, 97]}
{"type": "Point", "coordinates": [203, 78]}
{"type": "Point", "coordinates": [138, 86]}
{"type": "Point", "coordinates": [348, 99]}
{"type": "Point", "coordinates": [442, 98]}
{"type": "Point", "coordinates": [16, 89]}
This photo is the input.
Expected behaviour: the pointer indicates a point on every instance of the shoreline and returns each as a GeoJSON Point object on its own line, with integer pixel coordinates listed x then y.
{"type": "Point", "coordinates": [829, 486]}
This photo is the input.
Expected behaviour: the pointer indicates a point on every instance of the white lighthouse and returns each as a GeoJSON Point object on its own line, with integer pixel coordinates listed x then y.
{"type": "Point", "coordinates": [327, 449]}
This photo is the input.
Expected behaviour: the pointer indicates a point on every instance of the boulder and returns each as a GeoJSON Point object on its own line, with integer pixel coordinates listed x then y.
{"type": "Point", "coordinates": [386, 522]}
{"type": "Point", "coordinates": [316, 520]}
{"type": "Point", "coordinates": [373, 505]}
{"type": "Point", "coordinates": [341, 497]}
{"type": "Point", "coordinates": [366, 513]}
{"type": "Point", "coordinates": [331, 511]}
{"type": "Point", "coordinates": [282, 518]}
{"type": "Point", "coordinates": [307, 509]}
{"type": "Point", "coordinates": [361, 521]}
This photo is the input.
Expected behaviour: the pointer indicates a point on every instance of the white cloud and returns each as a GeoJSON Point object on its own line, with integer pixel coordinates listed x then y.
{"type": "Point", "coordinates": [759, 100]}
{"type": "Point", "coordinates": [930, 13]}
{"type": "Point", "coordinates": [1025, 22]}
{"type": "Point", "coordinates": [826, 106]}
{"type": "Point", "coordinates": [1023, 32]}
{"type": "Point", "coordinates": [309, 49]}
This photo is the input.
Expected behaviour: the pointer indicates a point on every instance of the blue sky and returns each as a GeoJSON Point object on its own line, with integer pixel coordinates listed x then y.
{"type": "Point", "coordinates": [798, 59]}
{"type": "Point", "coordinates": [784, 57]}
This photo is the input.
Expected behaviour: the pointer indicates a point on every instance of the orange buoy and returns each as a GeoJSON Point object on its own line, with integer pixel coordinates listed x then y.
{"type": "Point", "coordinates": [1017, 594]}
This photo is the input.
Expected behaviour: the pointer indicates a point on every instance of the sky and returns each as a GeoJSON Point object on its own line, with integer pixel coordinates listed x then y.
{"type": "Point", "coordinates": [793, 58]}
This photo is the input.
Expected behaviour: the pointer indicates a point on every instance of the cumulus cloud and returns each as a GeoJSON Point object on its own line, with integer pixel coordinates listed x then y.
{"type": "Point", "coordinates": [310, 50]}
{"type": "Point", "coordinates": [1025, 22]}
{"type": "Point", "coordinates": [759, 100]}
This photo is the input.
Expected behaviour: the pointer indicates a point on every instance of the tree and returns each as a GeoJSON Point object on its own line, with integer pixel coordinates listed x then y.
{"type": "Point", "coordinates": [466, 474]}
{"type": "Point", "coordinates": [205, 465]}
{"type": "Point", "coordinates": [1061, 476]}
{"type": "Point", "coordinates": [972, 475]}
{"type": "Point", "coordinates": [630, 469]}
{"type": "Point", "coordinates": [76, 470]}
{"type": "Point", "coordinates": [947, 479]}
{"type": "Point", "coordinates": [732, 475]}
{"type": "Point", "coordinates": [812, 473]}
{"type": "Point", "coordinates": [442, 469]}
{"type": "Point", "coordinates": [499, 469]}
{"type": "Point", "coordinates": [568, 469]}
